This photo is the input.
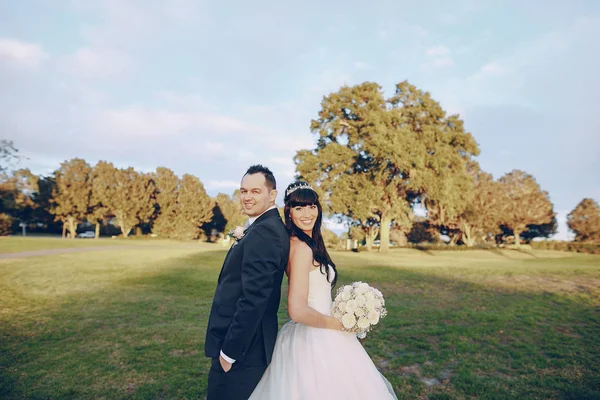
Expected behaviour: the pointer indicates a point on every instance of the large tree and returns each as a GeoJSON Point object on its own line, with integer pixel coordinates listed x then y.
{"type": "Point", "coordinates": [72, 196]}
{"type": "Point", "coordinates": [131, 198]}
{"type": "Point", "coordinates": [231, 210]}
{"type": "Point", "coordinates": [43, 199]}
{"type": "Point", "coordinates": [584, 221]}
{"type": "Point", "coordinates": [194, 208]}
{"type": "Point", "coordinates": [522, 203]}
{"type": "Point", "coordinates": [99, 211]}
{"type": "Point", "coordinates": [479, 220]}
{"type": "Point", "coordinates": [17, 196]}
{"type": "Point", "coordinates": [167, 187]}
{"type": "Point", "coordinates": [387, 153]}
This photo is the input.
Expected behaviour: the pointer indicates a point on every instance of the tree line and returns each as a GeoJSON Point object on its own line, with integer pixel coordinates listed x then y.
{"type": "Point", "coordinates": [122, 198]}
{"type": "Point", "coordinates": [377, 161]}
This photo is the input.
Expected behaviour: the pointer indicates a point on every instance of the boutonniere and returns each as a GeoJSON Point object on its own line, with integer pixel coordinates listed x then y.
{"type": "Point", "coordinates": [237, 234]}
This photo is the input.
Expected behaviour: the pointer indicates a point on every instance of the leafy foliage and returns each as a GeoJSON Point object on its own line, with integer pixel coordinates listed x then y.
{"type": "Point", "coordinates": [584, 221]}
{"type": "Point", "coordinates": [523, 203]}
{"type": "Point", "coordinates": [375, 156]}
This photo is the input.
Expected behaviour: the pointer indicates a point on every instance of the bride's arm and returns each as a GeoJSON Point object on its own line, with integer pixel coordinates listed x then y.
{"type": "Point", "coordinates": [300, 265]}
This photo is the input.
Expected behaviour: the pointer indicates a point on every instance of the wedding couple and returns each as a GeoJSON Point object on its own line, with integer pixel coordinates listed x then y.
{"type": "Point", "coordinates": [311, 357]}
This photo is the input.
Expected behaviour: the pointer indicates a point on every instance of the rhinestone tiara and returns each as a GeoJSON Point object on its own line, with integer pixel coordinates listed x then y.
{"type": "Point", "coordinates": [301, 186]}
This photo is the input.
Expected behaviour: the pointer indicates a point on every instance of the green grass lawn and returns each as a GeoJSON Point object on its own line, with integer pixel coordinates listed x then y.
{"type": "Point", "coordinates": [17, 244]}
{"type": "Point", "coordinates": [130, 323]}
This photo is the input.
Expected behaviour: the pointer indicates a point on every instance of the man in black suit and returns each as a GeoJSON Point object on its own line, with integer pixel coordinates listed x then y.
{"type": "Point", "coordinates": [242, 327]}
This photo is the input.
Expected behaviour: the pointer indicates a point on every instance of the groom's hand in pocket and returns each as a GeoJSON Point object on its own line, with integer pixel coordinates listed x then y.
{"type": "Point", "coordinates": [224, 364]}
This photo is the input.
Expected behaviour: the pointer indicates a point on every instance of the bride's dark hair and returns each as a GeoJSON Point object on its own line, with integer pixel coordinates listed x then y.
{"type": "Point", "coordinates": [298, 194]}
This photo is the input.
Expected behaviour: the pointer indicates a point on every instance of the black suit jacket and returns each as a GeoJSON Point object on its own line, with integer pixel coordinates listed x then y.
{"type": "Point", "coordinates": [243, 316]}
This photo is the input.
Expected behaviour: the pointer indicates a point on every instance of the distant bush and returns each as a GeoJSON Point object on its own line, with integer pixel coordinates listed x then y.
{"type": "Point", "coordinates": [589, 248]}
{"type": "Point", "coordinates": [6, 222]}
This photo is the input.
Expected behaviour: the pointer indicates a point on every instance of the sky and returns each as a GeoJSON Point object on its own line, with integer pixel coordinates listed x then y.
{"type": "Point", "coordinates": [209, 88]}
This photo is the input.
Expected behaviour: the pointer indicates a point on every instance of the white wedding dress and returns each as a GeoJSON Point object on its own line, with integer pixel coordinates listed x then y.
{"type": "Point", "coordinates": [313, 364]}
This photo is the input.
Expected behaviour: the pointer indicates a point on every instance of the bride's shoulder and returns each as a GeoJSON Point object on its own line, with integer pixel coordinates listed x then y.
{"type": "Point", "coordinates": [299, 248]}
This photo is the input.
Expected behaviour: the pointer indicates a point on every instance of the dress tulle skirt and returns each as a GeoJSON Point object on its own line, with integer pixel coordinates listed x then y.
{"type": "Point", "coordinates": [312, 364]}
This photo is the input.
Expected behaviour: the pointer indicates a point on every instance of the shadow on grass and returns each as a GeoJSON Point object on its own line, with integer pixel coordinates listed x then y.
{"type": "Point", "coordinates": [443, 338]}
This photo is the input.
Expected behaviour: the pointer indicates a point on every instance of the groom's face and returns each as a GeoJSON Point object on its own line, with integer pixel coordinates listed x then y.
{"type": "Point", "coordinates": [256, 196]}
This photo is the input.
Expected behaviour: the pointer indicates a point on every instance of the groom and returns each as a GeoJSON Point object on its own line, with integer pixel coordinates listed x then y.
{"type": "Point", "coordinates": [242, 327]}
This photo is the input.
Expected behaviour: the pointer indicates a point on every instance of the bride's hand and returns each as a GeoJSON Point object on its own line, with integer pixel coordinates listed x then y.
{"type": "Point", "coordinates": [339, 326]}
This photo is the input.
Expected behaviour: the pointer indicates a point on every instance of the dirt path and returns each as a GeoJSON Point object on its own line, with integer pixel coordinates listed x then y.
{"type": "Point", "coordinates": [49, 252]}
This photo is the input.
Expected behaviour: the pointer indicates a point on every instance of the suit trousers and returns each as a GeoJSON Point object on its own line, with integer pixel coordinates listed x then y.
{"type": "Point", "coordinates": [237, 384]}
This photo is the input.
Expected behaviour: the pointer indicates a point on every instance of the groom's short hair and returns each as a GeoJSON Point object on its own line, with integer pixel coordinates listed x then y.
{"type": "Point", "coordinates": [261, 169]}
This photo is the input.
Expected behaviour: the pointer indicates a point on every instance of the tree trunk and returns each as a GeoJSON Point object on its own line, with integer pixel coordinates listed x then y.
{"type": "Point", "coordinates": [370, 237]}
{"type": "Point", "coordinates": [517, 238]}
{"type": "Point", "coordinates": [468, 237]}
{"type": "Point", "coordinates": [72, 227]}
{"type": "Point", "coordinates": [384, 234]}
{"type": "Point", "coordinates": [125, 230]}
{"type": "Point", "coordinates": [97, 230]}
{"type": "Point", "coordinates": [64, 229]}
{"type": "Point", "coordinates": [369, 240]}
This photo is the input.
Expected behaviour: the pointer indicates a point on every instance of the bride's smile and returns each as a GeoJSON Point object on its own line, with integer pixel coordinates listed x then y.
{"type": "Point", "coordinates": [305, 217]}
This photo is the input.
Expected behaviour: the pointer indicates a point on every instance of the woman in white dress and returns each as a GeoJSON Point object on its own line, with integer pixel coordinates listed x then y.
{"type": "Point", "coordinates": [314, 358]}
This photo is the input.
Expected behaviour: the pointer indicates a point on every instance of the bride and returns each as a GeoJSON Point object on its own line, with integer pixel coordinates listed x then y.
{"type": "Point", "coordinates": [313, 357]}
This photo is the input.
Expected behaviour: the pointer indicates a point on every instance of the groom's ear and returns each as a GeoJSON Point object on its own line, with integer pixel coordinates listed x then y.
{"type": "Point", "coordinates": [273, 195]}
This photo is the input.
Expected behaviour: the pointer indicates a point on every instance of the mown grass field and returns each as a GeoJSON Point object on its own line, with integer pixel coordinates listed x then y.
{"type": "Point", "coordinates": [129, 323]}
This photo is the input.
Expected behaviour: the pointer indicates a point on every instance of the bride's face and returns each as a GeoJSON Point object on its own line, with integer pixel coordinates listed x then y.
{"type": "Point", "coordinates": [305, 217]}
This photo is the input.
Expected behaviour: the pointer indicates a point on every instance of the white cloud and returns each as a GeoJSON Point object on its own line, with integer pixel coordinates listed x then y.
{"type": "Point", "coordinates": [489, 70]}
{"type": "Point", "coordinates": [135, 22]}
{"type": "Point", "coordinates": [97, 63]}
{"type": "Point", "coordinates": [415, 29]}
{"type": "Point", "coordinates": [225, 184]}
{"type": "Point", "coordinates": [21, 53]}
{"type": "Point", "coordinates": [439, 50]}
{"type": "Point", "coordinates": [361, 65]}
{"type": "Point", "coordinates": [140, 121]}
{"type": "Point", "coordinates": [439, 57]}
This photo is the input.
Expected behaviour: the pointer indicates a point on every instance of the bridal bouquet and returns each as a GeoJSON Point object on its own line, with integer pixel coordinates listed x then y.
{"type": "Point", "coordinates": [359, 307]}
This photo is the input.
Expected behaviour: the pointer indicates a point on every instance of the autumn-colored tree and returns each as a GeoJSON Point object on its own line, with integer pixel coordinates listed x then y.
{"type": "Point", "coordinates": [522, 203]}
{"type": "Point", "coordinates": [479, 220]}
{"type": "Point", "coordinates": [167, 186]}
{"type": "Point", "coordinates": [130, 198]}
{"type": "Point", "coordinates": [103, 175]}
{"type": "Point", "coordinates": [194, 208]}
{"type": "Point", "coordinates": [231, 210]}
{"type": "Point", "coordinates": [16, 194]}
{"type": "Point", "coordinates": [584, 221]}
{"type": "Point", "coordinates": [72, 196]}
{"type": "Point", "coordinates": [43, 199]}
{"type": "Point", "coordinates": [330, 239]}
{"type": "Point", "coordinates": [387, 153]}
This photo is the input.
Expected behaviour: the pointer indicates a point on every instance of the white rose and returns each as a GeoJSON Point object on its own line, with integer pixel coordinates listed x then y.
{"type": "Point", "coordinates": [373, 318]}
{"type": "Point", "coordinates": [351, 306]}
{"type": "Point", "coordinates": [362, 288]}
{"type": "Point", "coordinates": [361, 300]}
{"type": "Point", "coordinates": [370, 304]}
{"type": "Point", "coordinates": [346, 295]}
{"type": "Point", "coordinates": [348, 321]}
{"type": "Point", "coordinates": [360, 312]}
{"type": "Point", "coordinates": [377, 303]}
{"type": "Point", "coordinates": [363, 323]}
{"type": "Point", "coordinates": [342, 306]}
{"type": "Point", "coordinates": [369, 295]}
{"type": "Point", "coordinates": [337, 313]}
{"type": "Point", "coordinates": [239, 231]}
